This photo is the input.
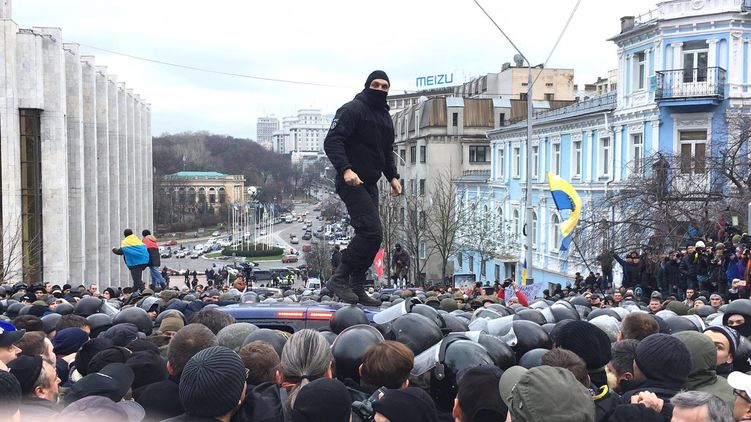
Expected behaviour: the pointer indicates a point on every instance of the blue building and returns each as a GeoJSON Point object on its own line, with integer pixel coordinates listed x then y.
{"type": "Point", "coordinates": [683, 69]}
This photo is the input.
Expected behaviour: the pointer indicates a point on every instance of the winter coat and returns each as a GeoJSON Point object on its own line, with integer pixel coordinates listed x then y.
{"type": "Point", "coordinates": [361, 138]}
{"type": "Point", "coordinates": [161, 400]}
{"type": "Point", "coordinates": [153, 248]}
{"type": "Point", "coordinates": [605, 402]}
{"type": "Point", "coordinates": [662, 390]}
{"type": "Point", "coordinates": [735, 270]}
{"type": "Point", "coordinates": [263, 403]}
{"type": "Point", "coordinates": [703, 361]}
{"type": "Point", "coordinates": [631, 271]}
{"type": "Point", "coordinates": [134, 252]}
{"type": "Point", "coordinates": [672, 273]}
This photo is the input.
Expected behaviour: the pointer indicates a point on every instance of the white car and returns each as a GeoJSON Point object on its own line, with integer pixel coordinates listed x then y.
{"type": "Point", "coordinates": [215, 234]}
{"type": "Point", "coordinates": [294, 241]}
{"type": "Point", "coordinates": [195, 255]}
{"type": "Point", "coordinates": [180, 254]}
{"type": "Point", "coordinates": [198, 248]}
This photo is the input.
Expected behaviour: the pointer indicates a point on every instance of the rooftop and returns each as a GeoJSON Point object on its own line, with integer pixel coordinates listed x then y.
{"type": "Point", "coordinates": [208, 174]}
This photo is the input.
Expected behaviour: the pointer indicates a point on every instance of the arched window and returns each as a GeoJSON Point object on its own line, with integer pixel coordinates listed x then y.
{"type": "Point", "coordinates": [222, 195]}
{"type": "Point", "coordinates": [212, 195]}
{"type": "Point", "coordinates": [499, 215]}
{"type": "Point", "coordinates": [201, 195]}
{"type": "Point", "coordinates": [515, 223]}
{"type": "Point", "coordinates": [555, 234]}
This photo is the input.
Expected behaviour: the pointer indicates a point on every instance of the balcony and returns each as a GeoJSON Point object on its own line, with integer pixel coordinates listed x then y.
{"type": "Point", "coordinates": [686, 85]}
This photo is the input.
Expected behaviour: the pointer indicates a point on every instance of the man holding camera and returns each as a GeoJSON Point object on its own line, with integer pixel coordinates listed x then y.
{"type": "Point", "coordinates": [520, 297]}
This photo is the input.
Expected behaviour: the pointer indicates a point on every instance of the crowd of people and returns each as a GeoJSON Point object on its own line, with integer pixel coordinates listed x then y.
{"type": "Point", "coordinates": [583, 352]}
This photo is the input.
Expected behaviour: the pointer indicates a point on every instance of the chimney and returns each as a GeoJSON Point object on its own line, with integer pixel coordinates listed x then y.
{"type": "Point", "coordinates": [627, 22]}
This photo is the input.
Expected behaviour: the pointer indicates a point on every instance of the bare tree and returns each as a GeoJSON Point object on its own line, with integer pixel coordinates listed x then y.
{"type": "Point", "coordinates": [319, 259]}
{"type": "Point", "coordinates": [15, 262]}
{"type": "Point", "coordinates": [444, 220]}
{"type": "Point", "coordinates": [486, 235]}
{"type": "Point", "coordinates": [414, 229]}
{"type": "Point", "coordinates": [388, 210]}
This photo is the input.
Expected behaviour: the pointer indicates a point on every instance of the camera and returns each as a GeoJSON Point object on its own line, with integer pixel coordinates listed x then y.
{"type": "Point", "coordinates": [364, 409]}
{"type": "Point", "coordinates": [506, 283]}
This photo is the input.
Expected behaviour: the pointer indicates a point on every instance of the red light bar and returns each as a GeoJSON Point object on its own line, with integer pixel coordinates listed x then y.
{"type": "Point", "coordinates": [320, 315]}
{"type": "Point", "coordinates": [291, 314]}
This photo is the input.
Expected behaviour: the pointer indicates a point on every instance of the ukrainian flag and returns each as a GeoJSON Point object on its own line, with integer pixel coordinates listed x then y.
{"type": "Point", "coordinates": [565, 198]}
{"type": "Point", "coordinates": [134, 251]}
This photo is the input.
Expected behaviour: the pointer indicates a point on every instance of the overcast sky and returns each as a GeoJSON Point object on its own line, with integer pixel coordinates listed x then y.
{"type": "Point", "coordinates": [332, 42]}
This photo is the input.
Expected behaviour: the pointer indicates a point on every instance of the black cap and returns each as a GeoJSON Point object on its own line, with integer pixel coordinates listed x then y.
{"type": "Point", "coordinates": [409, 404]}
{"type": "Point", "coordinates": [10, 393]}
{"type": "Point", "coordinates": [26, 370]}
{"type": "Point", "coordinates": [9, 335]}
{"type": "Point", "coordinates": [113, 381]}
{"type": "Point", "coordinates": [212, 382]}
{"type": "Point", "coordinates": [478, 394]}
{"type": "Point", "coordinates": [376, 74]}
{"type": "Point", "coordinates": [323, 400]}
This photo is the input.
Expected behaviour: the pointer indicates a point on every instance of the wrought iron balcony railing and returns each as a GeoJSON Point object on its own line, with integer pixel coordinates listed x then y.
{"type": "Point", "coordinates": [691, 83]}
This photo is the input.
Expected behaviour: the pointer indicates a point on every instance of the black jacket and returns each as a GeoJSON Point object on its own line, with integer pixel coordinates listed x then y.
{"type": "Point", "coordinates": [665, 391]}
{"type": "Point", "coordinates": [361, 138]}
{"type": "Point", "coordinates": [263, 403]}
{"type": "Point", "coordinates": [161, 400]}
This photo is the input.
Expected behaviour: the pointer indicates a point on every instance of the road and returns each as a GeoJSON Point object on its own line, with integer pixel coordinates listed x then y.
{"type": "Point", "coordinates": [280, 235]}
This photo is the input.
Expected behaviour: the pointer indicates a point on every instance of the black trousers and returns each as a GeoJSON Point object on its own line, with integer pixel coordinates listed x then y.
{"type": "Point", "coordinates": [136, 273]}
{"type": "Point", "coordinates": [362, 206]}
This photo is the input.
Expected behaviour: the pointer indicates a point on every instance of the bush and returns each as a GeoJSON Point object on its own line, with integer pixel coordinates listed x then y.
{"type": "Point", "coordinates": [254, 251]}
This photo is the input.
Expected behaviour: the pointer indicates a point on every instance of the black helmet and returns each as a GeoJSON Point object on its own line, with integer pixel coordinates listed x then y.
{"type": "Point", "coordinates": [452, 356]}
{"type": "Point", "coordinates": [532, 358]}
{"type": "Point", "coordinates": [705, 311]}
{"type": "Point", "coordinates": [64, 308]}
{"type": "Point", "coordinates": [503, 356]}
{"type": "Point", "coordinates": [349, 347]}
{"type": "Point", "coordinates": [149, 303]}
{"type": "Point", "coordinates": [430, 313]}
{"type": "Point", "coordinates": [49, 322]}
{"type": "Point", "coordinates": [98, 323]}
{"type": "Point", "coordinates": [529, 335]}
{"type": "Point", "coordinates": [88, 305]}
{"type": "Point", "coordinates": [742, 357]}
{"type": "Point", "coordinates": [330, 336]}
{"type": "Point", "coordinates": [678, 324]}
{"type": "Point", "coordinates": [603, 311]}
{"type": "Point", "coordinates": [453, 324]}
{"type": "Point", "coordinates": [561, 312]}
{"type": "Point", "coordinates": [14, 309]}
{"type": "Point", "coordinates": [273, 337]}
{"type": "Point", "coordinates": [548, 327]}
{"type": "Point", "coordinates": [500, 309]}
{"type": "Point", "coordinates": [416, 331]}
{"type": "Point", "coordinates": [739, 307]}
{"type": "Point", "coordinates": [25, 310]}
{"type": "Point", "coordinates": [530, 315]}
{"type": "Point", "coordinates": [347, 316]}
{"type": "Point", "coordinates": [137, 317]}
{"type": "Point", "coordinates": [580, 301]}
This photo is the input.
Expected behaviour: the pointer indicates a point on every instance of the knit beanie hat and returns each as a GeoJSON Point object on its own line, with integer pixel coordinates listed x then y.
{"type": "Point", "coordinates": [323, 400]}
{"type": "Point", "coordinates": [679, 308]}
{"type": "Point", "coordinates": [114, 354]}
{"type": "Point", "coordinates": [87, 351]}
{"type": "Point", "coordinates": [734, 338]}
{"type": "Point", "coordinates": [212, 382]}
{"type": "Point", "coordinates": [409, 404]}
{"type": "Point", "coordinates": [662, 357]}
{"type": "Point", "coordinates": [233, 335]}
{"type": "Point", "coordinates": [26, 369]}
{"type": "Point", "coordinates": [148, 368]}
{"type": "Point", "coordinates": [376, 74]}
{"type": "Point", "coordinates": [171, 323]}
{"type": "Point", "coordinates": [69, 340]}
{"type": "Point", "coordinates": [10, 393]}
{"type": "Point", "coordinates": [586, 340]}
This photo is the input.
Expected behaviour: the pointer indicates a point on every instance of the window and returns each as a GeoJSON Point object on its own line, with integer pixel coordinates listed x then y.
{"type": "Point", "coordinates": [637, 152]}
{"type": "Point", "coordinates": [523, 95]}
{"type": "Point", "coordinates": [549, 84]}
{"type": "Point", "coordinates": [471, 262]}
{"type": "Point", "coordinates": [454, 119]}
{"type": "Point", "coordinates": [604, 159]}
{"type": "Point", "coordinates": [555, 160]}
{"type": "Point", "coordinates": [501, 163]}
{"type": "Point", "coordinates": [413, 154]}
{"type": "Point", "coordinates": [422, 250]}
{"type": "Point", "coordinates": [403, 156]}
{"type": "Point", "coordinates": [412, 186]}
{"type": "Point", "coordinates": [422, 187]}
{"type": "Point", "coordinates": [515, 223]}
{"type": "Point", "coordinates": [460, 259]}
{"type": "Point", "coordinates": [695, 61]}
{"type": "Point", "coordinates": [549, 97]}
{"type": "Point", "coordinates": [577, 165]}
{"type": "Point", "coordinates": [499, 215]}
{"type": "Point", "coordinates": [693, 144]}
{"type": "Point", "coordinates": [502, 119]}
{"type": "Point", "coordinates": [535, 161]}
{"type": "Point", "coordinates": [31, 194]}
{"type": "Point", "coordinates": [497, 272]}
{"type": "Point", "coordinates": [555, 234]}
{"type": "Point", "coordinates": [516, 164]}
{"type": "Point", "coordinates": [422, 153]}
{"type": "Point", "coordinates": [640, 70]}
{"type": "Point", "coordinates": [483, 267]}
{"type": "Point", "coordinates": [478, 154]}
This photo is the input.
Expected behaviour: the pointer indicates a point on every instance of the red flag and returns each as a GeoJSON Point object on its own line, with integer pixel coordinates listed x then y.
{"type": "Point", "coordinates": [378, 262]}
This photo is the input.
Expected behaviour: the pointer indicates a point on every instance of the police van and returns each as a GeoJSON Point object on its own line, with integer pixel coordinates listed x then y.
{"type": "Point", "coordinates": [289, 317]}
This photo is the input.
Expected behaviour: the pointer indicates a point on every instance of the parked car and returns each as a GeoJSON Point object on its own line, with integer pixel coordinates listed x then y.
{"type": "Point", "coordinates": [194, 255]}
{"type": "Point", "coordinates": [289, 258]}
{"type": "Point", "coordinates": [172, 242]}
{"type": "Point", "coordinates": [180, 254]}
{"type": "Point", "coordinates": [294, 241]}
{"type": "Point", "coordinates": [215, 234]}
{"type": "Point", "coordinates": [166, 254]}
{"type": "Point", "coordinates": [307, 247]}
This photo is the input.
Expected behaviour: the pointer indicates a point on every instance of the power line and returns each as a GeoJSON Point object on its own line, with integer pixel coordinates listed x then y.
{"type": "Point", "coordinates": [216, 72]}
{"type": "Point", "coordinates": [558, 40]}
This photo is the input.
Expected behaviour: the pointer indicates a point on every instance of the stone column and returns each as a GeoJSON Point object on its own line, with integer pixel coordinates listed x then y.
{"type": "Point", "coordinates": [10, 158]}
{"type": "Point", "coordinates": [658, 55]}
{"type": "Point", "coordinates": [677, 56]}
{"type": "Point", "coordinates": [74, 112]}
{"type": "Point", "coordinates": [712, 52]}
{"type": "Point", "coordinates": [140, 201]}
{"type": "Point", "coordinates": [113, 141]}
{"type": "Point", "coordinates": [90, 175]}
{"type": "Point", "coordinates": [55, 225]}
{"type": "Point", "coordinates": [131, 162]}
{"type": "Point", "coordinates": [616, 150]}
{"type": "Point", "coordinates": [150, 161]}
{"type": "Point", "coordinates": [103, 178]}
{"type": "Point", "coordinates": [122, 145]}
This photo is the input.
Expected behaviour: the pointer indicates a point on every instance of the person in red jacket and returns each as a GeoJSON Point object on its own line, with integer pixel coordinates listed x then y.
{"type": "Point", "coordinates": [154, 259]}
{"type": "Point", "coordinates": [520, 297]}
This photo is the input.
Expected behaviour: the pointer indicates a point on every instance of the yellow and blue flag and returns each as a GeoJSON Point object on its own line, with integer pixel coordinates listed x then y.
{"type": "Point", "coordinates": [565, 198]}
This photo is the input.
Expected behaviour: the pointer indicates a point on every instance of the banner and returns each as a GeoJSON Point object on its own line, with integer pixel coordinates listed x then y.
{"type": "Point", "coordinates": [378, 262]}
{"type": "Point", "coordinates": [531, 291]}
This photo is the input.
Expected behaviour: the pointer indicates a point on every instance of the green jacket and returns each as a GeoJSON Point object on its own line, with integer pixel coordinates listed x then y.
{"type": "Point", "coordinates": [703, 362]}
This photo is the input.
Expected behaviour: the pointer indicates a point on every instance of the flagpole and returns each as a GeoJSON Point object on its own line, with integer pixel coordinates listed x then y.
{"type": "Point", "coordinates": [580, 254]}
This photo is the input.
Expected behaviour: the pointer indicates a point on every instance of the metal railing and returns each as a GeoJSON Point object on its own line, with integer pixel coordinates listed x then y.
{"type": "Point", "coordinates": [690, 83]}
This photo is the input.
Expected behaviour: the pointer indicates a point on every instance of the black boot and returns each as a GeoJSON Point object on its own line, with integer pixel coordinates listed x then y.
{"type": "Point", "coordinates": [339, 284]}
{"type": "Point", "coordinates": [358, 287]}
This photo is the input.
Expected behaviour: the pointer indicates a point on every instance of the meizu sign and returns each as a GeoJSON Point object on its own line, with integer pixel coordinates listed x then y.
{"type": "Point", "coordinates": [433, 80]}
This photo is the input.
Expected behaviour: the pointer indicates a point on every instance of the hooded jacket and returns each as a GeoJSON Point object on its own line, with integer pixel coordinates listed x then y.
{"type": "Point", "coordinates": [361, 138]}
{"type": "Point", "coordinates": [134, 252]}
{"type": "Point", "coordinates": [153, 249]}
{"type": "Point", "coordinates": [703, 361]}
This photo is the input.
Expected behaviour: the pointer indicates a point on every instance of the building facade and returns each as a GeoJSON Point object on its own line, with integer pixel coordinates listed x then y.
{"type": "Point", "coordinates": [265, 128]}
{"type": "Point", "coordinates": [302, 133]}
{"type": "Point", "coordinates": [75, 161]}
{"type": "Point", "coordinates": [511, 83]}
{"type": "Point", "coordinates": [683, 72]}
{"type": "Point", "coordinates": [193, 190]}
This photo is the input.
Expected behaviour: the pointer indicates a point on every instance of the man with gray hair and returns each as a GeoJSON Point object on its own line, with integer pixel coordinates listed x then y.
{"type": "Point", "coordinates": [697, 406]}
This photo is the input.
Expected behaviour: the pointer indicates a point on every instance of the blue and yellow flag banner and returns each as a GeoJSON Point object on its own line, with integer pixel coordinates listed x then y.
{"type": "Point", "coordinates": [524, 272]}
{"type": "Point", "coordinates": [565, 198]}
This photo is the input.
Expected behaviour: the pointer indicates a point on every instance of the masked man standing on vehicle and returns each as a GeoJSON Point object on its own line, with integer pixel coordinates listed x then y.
{"type": "Point", "coordinates": [359, 144]}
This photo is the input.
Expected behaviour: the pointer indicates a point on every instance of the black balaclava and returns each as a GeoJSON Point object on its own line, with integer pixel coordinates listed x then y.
{"type": "Point", "coordinates": [376, 97]}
